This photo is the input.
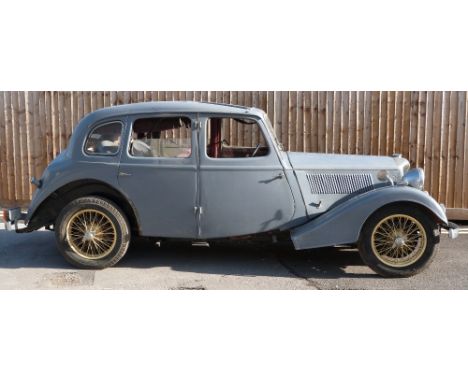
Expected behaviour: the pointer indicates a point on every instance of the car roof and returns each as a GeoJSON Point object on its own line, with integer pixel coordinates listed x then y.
{"type": "Point", "coordinates": [172, 107]}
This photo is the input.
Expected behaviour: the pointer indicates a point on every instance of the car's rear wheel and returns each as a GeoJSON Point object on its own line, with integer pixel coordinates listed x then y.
{"type": "Point", "coordinates": [92, 232]}
{"type": "Point", "coordinates": [399, 241]}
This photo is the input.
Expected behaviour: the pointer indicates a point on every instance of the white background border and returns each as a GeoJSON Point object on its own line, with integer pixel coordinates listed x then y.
{"type": "Point", "coordinates": [241, 45]}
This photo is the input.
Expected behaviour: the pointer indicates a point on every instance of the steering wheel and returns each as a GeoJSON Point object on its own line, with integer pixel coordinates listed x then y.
{"type": "Point", "coordinates": [256, 150]}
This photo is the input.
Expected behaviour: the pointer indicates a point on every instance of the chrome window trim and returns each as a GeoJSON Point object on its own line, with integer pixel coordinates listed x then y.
{"type": "Point", "coordinates": [136, 118]}
{"type": "Point", "coordinates": [240, 159]}
{"type": "Point", "coordinates": [97, 126]}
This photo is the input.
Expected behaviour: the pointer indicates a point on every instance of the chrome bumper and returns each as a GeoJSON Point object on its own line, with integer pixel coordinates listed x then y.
{"type": "Point", "coordinates": [11, 217]}
{"type": "Point", "coordinates": [452, 229]}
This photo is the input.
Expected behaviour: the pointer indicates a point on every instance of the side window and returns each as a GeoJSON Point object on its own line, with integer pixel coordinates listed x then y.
{"type": "Point", "coordinates": [104, 139]}
{"type": "Point", "coordinates": [165, 137]}
{"type": "Point", "coordinates": [235, 138]}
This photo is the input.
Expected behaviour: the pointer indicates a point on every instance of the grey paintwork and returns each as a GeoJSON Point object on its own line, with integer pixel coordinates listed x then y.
{"type": "Point", "coordinates": [343, 224]}
{"type": "Point", "coordinates": [203, 197]}
{"type": "Point", "coordinates": [307, 164]}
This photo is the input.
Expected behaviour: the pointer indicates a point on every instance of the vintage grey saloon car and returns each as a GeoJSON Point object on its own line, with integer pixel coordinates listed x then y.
{"type": "Point", "coordinates": [204, 171]}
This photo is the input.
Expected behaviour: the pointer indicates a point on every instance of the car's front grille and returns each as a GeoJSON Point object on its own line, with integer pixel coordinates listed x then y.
{"type": "Point", "coordinates": [339, 183]}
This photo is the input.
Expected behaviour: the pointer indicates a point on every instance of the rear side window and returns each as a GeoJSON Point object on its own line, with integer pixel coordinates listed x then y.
{"type": "Point", "coordinates": [163, 137]}
{"type": "Point", "coordinates": [104, 139]}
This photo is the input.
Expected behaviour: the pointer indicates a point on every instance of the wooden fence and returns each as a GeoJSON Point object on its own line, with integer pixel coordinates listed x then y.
{"type": "Point", "coordinates": [428, 128]}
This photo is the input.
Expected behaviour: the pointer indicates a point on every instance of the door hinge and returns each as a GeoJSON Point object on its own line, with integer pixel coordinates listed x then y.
{"type": "Point", "coordinates": [198, 210]}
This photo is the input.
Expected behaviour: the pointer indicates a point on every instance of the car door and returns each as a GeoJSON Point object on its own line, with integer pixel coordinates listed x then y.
{"type": "Point", "coordinates": [243, 188]}
{"type": "Point", "coordinates": [158, 173]}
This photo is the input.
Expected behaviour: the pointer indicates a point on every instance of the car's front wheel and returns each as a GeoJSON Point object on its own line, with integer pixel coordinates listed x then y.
{"type": "Point", "coordinates": [92, 232]}
{"type": "Point", "coordinates": [399, 241]}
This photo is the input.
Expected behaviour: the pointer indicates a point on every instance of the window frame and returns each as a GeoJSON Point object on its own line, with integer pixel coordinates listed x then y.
{"type": "Point", "coordinates": [258, 122]}
{"type": "Point", "coordinates": [152, 116]}
{"type": "Point", "coordinates": [97, 126]}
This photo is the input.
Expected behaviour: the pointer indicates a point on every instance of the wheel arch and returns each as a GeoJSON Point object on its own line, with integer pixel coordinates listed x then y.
{"type": "Point", "coordinates": [343, 223]}
{"type": "Point", "coordinates": [46, 213]}
{"type": "Point", "coordinates": [421, 207]}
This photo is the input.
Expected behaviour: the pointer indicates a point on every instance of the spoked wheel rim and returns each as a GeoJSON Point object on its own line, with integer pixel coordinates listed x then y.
{"type": "Point", "coordinates": [91, 234]}
{"type": "Point", "coordinates": [399, 240]}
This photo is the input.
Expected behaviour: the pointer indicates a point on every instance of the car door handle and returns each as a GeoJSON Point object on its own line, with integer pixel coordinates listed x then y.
{"type": "Point", "coordinates": [121, 173]}
{"type": "Point", "coordinates": [279, 176]}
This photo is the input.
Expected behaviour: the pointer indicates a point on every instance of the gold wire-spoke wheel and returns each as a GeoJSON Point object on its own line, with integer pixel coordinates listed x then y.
{"type": "Point", "coordinates": [399, 240]}
{"type": "Point", "coordinates": [91, 234]}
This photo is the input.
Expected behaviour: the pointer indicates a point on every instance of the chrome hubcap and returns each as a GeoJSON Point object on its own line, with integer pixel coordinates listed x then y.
{"type": "Point", "coordinates": [399, 241]}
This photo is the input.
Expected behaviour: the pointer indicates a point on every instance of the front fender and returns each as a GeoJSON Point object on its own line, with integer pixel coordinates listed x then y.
{"type": "Point", "coordinates": [343, 223]}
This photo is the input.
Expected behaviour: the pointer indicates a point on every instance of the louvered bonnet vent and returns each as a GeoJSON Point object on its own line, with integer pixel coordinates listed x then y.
{"type": "Point", "coordinates": [339, 183]}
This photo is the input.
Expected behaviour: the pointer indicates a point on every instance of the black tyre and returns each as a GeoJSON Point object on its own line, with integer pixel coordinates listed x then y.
{"type": "Point", "coordinates": [92, 232]}
{"type": "Point", "coordinates": [399, 241]}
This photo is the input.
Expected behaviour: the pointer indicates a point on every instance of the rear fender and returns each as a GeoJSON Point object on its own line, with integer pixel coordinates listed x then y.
{"type": "Point", "coordinates": [343, 223]}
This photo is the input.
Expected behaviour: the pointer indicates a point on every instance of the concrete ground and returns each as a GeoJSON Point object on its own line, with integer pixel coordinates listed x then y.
{"type": "Point", "coordinates": [32, 261]}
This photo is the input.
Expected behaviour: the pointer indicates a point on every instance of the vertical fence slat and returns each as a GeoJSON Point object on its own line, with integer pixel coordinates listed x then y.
{"type": "Point", "coordinates": [314, 124]}
{"type": "Point", "coordinates": [460, 152]}
{"type": "Point", "coordinates": [352, 143]}
{"type": "Point", "coordinates": [55, 123]}
{"type": "Point", "coordinates": [233, 136]}
{"type": "Point", "coordinates": [292, 126]}
{"type": "Point", "coordinates": [444, 147]}
{"type": "Point", "coordinates": [24, 156]}
{"type": "Point", "coordinates": [344, 138]}
{"type": "Point", "coordinates": [9, 134]}
{"type": "Point", "coordinates": [62, 121]}
{"type": "Point", "coordinates": [329, 123]}
{"type": "Point", "coordinates": [40, 124]}
{"type": "Point", "coordinates": [300, 122]}
{"type": "Point", "coordinates": [436, 143]}
{"type": "Point", "coordinates": [68, 118]}
{"type": "Point", "coordinates": [278, 121]}
{"type": "Point", "coordinates": [270, 110]}
{"type": "Point", "coordinates": [247, 133]}
{"type": "Point", "coordinates": [127, 99]}
{"type": "Point", "coordinates": [453, 118]}
{"type": "Point", "coordinates": [322, 122]}
{"type": "Point", "coordinates": [465, 165]}
{"type": "Point", "coordinates": [360, 122]}
{"type": "Point", "coordinates": [75, 109]}
{"type": "Point", "coordinates": [398, 122]}
{"type": "Point", "coordinates": [284, 119]}
{"type": "Point", "coordinates": [255, 103]}
{"type": "Point", "coordinates": [375, 107]}
{"type": "Point", "coordinates": [428, 140]}
{"type": "Point", "coordinates": [413, 128]}
{"type": "Point", "coordinates": [421, 131]}
{"type": "Point", "coordinates": [308, 130]}
{"type": "Point", "coordinates": [367, 134]}
{"type": "Point", "coordinates": [3, 146]}
{"type": "Point", "coordinates": [405, 124]}
{"type": "Point", "coordinates": [382, 138]}
{"type": "Point", "coordinates": [336, 128]}
{"type": "Point", "coordinates": [31, 141]}
{"type": "Point", "coordinates": [48, 126]}
{"type": "Point", "coordinates": [16, 145]}
{"type": "Point", "coordinates": [240, 131]}
{"type": "Point", "coordinates": [390, 137]}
